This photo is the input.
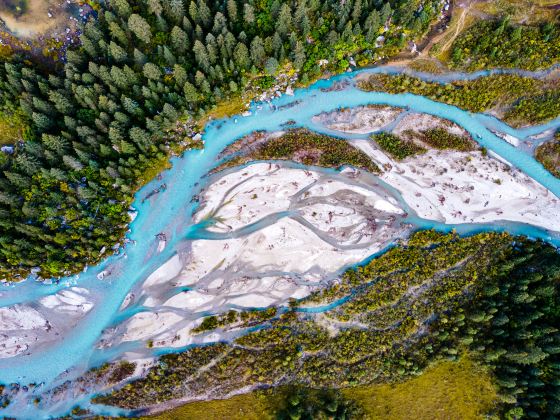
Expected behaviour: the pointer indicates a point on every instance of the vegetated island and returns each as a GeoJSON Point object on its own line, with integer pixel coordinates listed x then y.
{"type": "Point", "coordinates": [96, 128]}
{"type": "Point", "coordinates": [423, 300]}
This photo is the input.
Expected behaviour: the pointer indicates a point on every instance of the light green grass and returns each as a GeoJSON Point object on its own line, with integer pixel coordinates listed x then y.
{"type": "Point", "coordinates": [448, 390]}
{"type": "Point", "coordinates": [11, 128]}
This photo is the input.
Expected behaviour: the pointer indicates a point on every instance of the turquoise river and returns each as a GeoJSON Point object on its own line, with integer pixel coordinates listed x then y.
{"type": "Point", "coordinates": [171, 212]}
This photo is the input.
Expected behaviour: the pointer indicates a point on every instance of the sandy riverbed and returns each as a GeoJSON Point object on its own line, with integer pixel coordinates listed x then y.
{"type": "Point", "coordinates": [467, 187]}
{"type": "Point", "coordinates": [26, 327]}
{"type": "Point", "coordinates": [452, 186]}
{"type": "Point", "coordinates": [333, 220]}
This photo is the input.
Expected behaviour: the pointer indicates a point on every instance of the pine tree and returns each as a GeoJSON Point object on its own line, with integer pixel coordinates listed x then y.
{"type": "Point", "coordinates": [248, 14]}
{"type": "Point", "coordinates": [211, 48]}
{"type": "Point", "coordinates": [122, 7]}
{"type": "Point", "coordinates": [372, 24]}
{"type": "Point", "coordinates": [386, 13]}
{"type": "Point", "coordinates": [26, 163]}
{"type": "Point", "coordinates": [241, 56]}
{"type": "Point", "coordinates": [61, 102]}
{"type": "Point", "coordinates": [117, 52]}
{"type": "Point", "coordinates": [201, 55]}
{"type": "Point", "coordinates": [180, 75]}
{"type": "Point", "coordinates": [139, 57]}
{"type": "Point", "coordinates": [154, 6]}
{"type": "Point", "coordinates": [140, 137]}
{"type": "Point", "coordinates": [140, 28]}
{"type": "Point", "coordinates": [220, 23]}
{"type": "Point", "coordinates": [118, 33]}
{"type": "Point", "coordinates": [41, 121]}
{"type": "Point", "coordinates": [191, 93]}
{"type": "Point", "coordinates": [204, 13]}
{"type": "Point", "coordinates": [179, 40]}
{"type": "Point", "coordinates": [357, 11]}
{"type": "Point", "coordinates": [72, 163]}
{"type": "Point", "coordinates": [176, 10]}
{"type": "Point", "coordinates": [284, 21]}
{"type": "Point", "coordinates": [193, 12]}
{"type": "Point", "coordinates": [55, 143]}
{"type": "Point", "coordinates": [131, 106]}
{"type": "Point", "coordinates": [258, 53]}
{"type": "Point", "coordinates": [89, 47]}
{"type": "Point", "coordinates": [232, 10]}
{"type": "Point", "coordinates": [18, 180]}
{"type": "Point", "coordinates": [119, 77]}
{"type": "Point", "coordinates": [299, 55]}
{"type": "Point", "coordinates": [271, 66]}
{"type": "Point", "coordinates": [151, 71]}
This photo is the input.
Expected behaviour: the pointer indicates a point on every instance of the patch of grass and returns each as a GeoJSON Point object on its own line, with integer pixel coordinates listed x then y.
{"type": "Point", "coordinates": [396, 146]}
{"type": "Point", "coordinates": [231, 106]}
{"type": "Point", "coordinates": [549, 155]}
{"type": "Point", "coordinates": [426, 65]}
{"type": "Point", "coordinates": [12, 128]}
{"type": "Point", "coordinates": [447, 390]}
{"type": "Point", "coordinates": [253, 406]}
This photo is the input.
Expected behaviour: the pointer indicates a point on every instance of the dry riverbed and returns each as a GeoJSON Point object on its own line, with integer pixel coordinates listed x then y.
{"type": "Point", "coordinates": [276, 233]}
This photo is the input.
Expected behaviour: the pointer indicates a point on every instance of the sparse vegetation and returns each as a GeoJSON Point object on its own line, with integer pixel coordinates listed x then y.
{"type": "Point", "coordinates": [304, 146]}
{"type": "Point", "coordinates": [498, 43]}
{"type": "Point", "coordinates": [13, 128]}
{"type": "Point", "coordinates": [549, 155]}
{"type": "Point", "coordinates": [396, 146]}
{"type": "Point", "coordinates": [233, 319]}
{"type": "Point", "coordinates": [522, 100]}
{"type": "Point", "coordinates": [437, 297]}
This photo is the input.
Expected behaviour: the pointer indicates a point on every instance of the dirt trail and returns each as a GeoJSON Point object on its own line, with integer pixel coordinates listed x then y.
{"type": "Point", "coordinates": [458, 28]}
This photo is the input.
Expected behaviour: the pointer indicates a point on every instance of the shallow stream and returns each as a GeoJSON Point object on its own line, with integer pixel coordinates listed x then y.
{"type": "Point", "coordinates": [170, 212]}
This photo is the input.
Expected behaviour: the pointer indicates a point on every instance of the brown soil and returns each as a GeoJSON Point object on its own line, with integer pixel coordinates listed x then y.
{"type": "Point", "coordinates": [36, 21]}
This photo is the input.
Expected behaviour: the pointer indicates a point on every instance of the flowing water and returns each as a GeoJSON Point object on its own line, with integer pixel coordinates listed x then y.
{"type": "Point", "coordinates": [170, 212]}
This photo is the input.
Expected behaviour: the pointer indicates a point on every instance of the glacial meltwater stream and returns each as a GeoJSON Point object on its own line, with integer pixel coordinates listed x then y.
{"type": "Point", "coordinates": [171, 211]}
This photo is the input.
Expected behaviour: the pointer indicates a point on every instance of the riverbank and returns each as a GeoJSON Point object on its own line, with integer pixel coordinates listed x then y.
{"type": "Point", "coordinates": [170, 213]}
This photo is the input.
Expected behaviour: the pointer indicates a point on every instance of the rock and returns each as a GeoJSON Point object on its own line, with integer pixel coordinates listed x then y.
{"type": "Point", "coordinates": [102, 275]}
